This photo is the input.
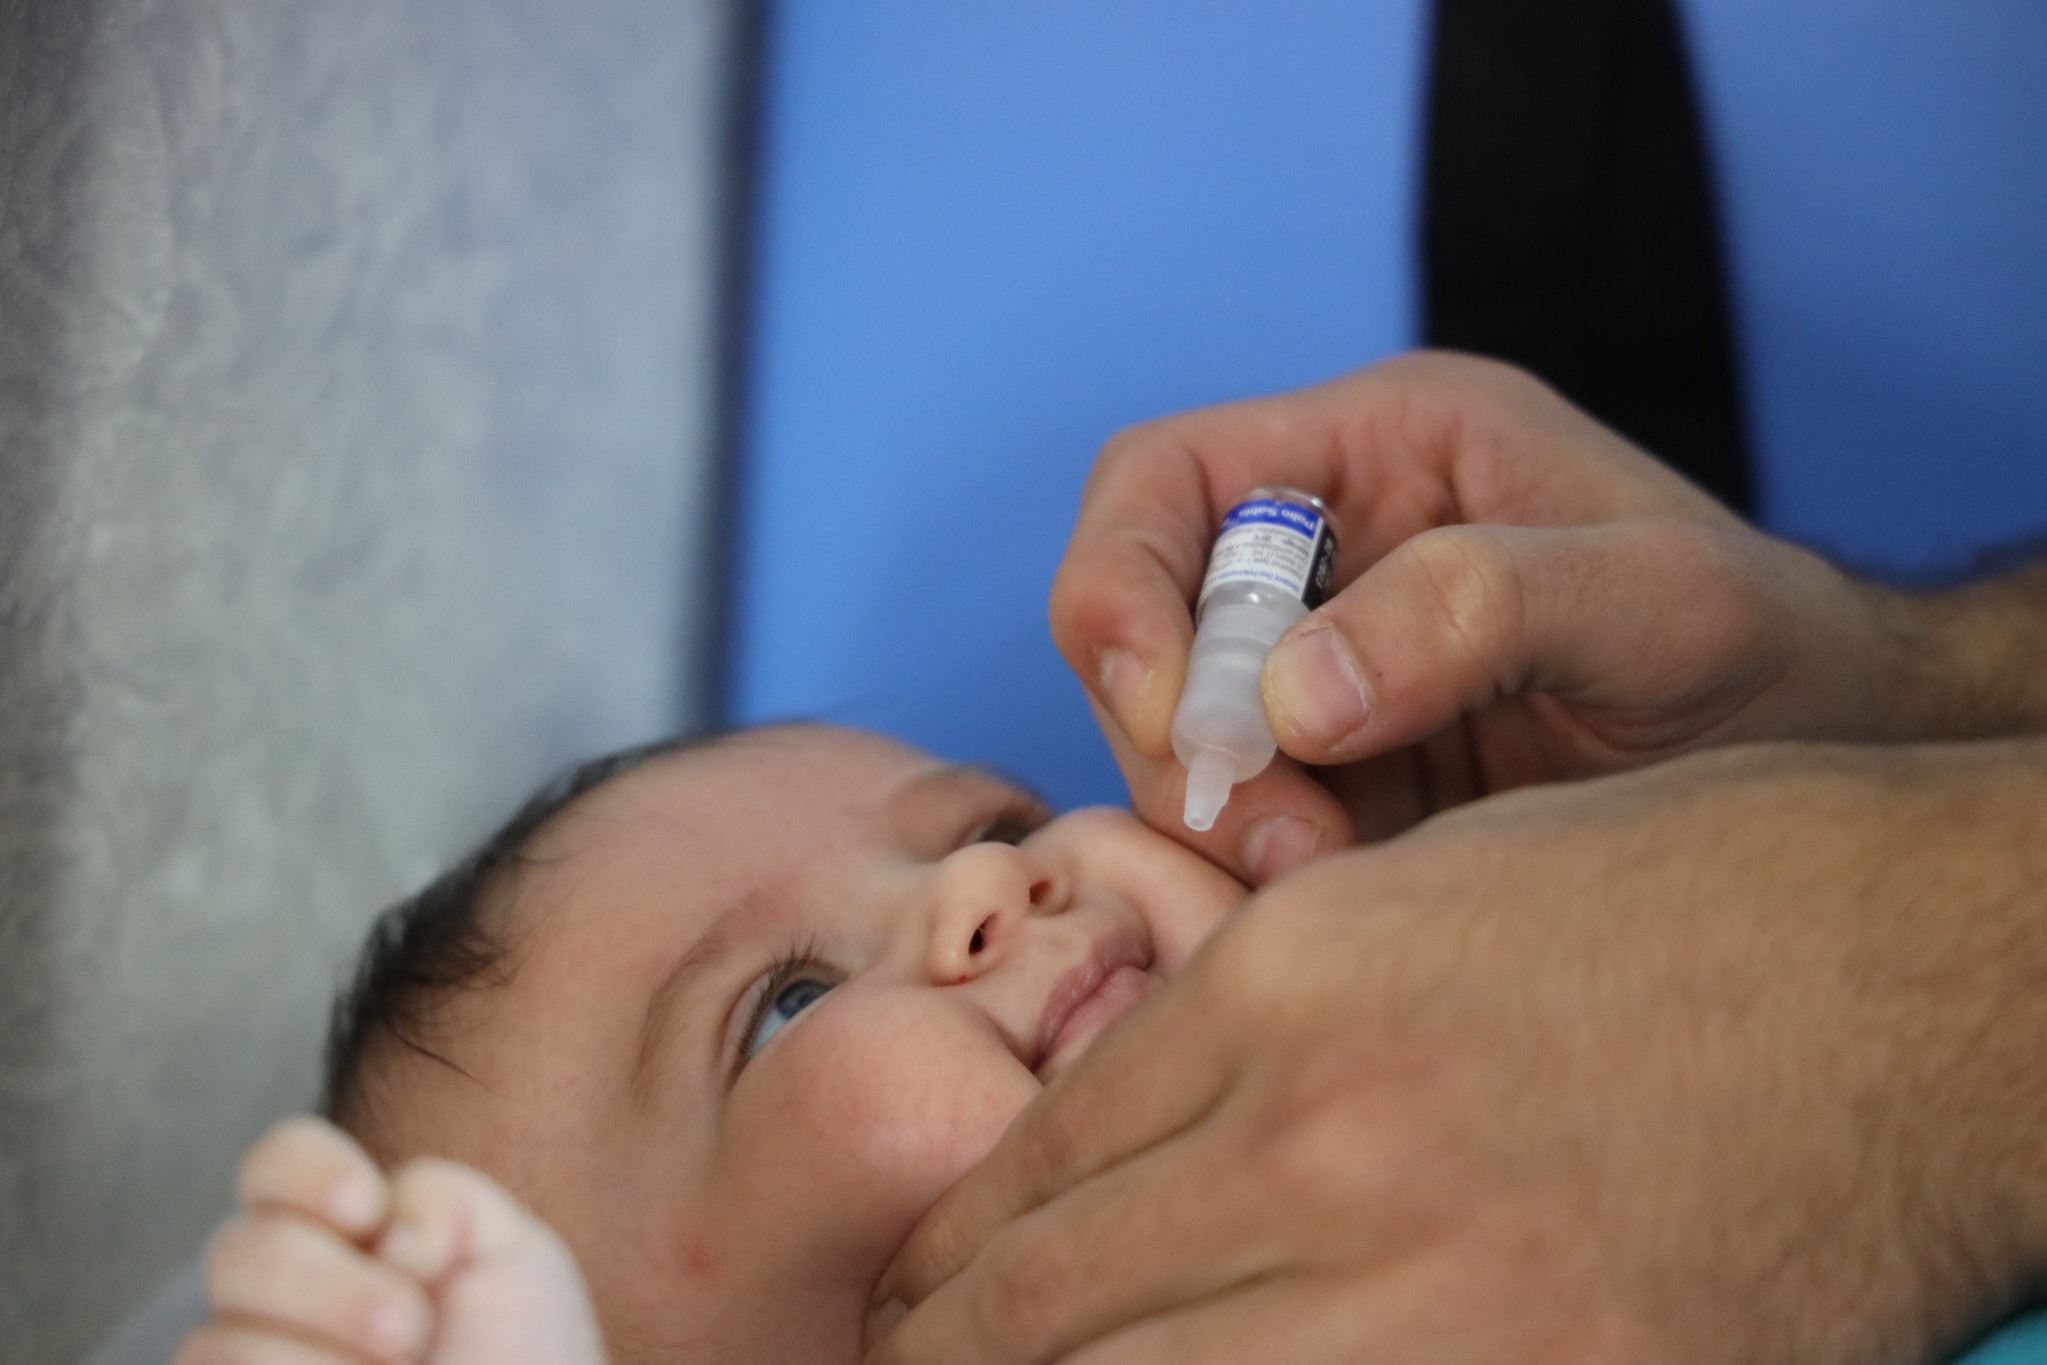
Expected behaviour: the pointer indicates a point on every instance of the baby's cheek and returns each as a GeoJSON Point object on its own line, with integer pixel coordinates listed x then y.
{"type": "Point", "coordinates": [874, 1106]}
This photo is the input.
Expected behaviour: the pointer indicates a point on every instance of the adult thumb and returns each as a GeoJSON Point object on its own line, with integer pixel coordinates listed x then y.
{"type": "Point", "coordinates": [1652, 616]}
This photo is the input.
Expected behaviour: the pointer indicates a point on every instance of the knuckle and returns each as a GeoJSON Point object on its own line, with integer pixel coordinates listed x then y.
{"type": "Point", "coordinates": [1511, 382]}
{"type": "Point", "coordinates": [1473, 587]}
{"type": "Point", "coordinates": [452, 1189]}
{"type": "Point", "coordinates": [1133, 442]}
{"type": "Point", "coordinates": [1307, 1151]}
{"type": "Point", "coordinates": [274, 1152]}
{"type": "Point", "coordinates": [1469, 375]}
{"type": "Point", "coordinates": [1124, 456]}
{"type": "Point", "coordinates": [1017, 1304]}
{"type": "Point", "coordinates": [465, 1206]}
{"type": "Point", "coordinates": [1078, 609]}
{"type": "Point", "coordinates": [296, 1159]}
{"type": "Point", "coordinates": [1054, 1151]}
{"type": "Point", "coordinates": [1444, 364]}
{"type": "Point", "coordinates": [1514, 388]}
{"type": "Point", "coordinates": [275, 1267]}
{"type": "Point", "coordinates": [1335, 1141]}
{"type": "Point", "coordinates": [1699, 555]}
{"type": "Point", "coordinates": [1728, 607]}
{"type": "Point", "coordinates": [938, 1248]}
{"type": "Point", "coordinates": [1722, 567]}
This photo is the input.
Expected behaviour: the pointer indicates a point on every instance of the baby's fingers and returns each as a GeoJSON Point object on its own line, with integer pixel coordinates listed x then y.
{"type": "Point", "coordinates": [446, 1216]}
{"type": "Point", "coordinates": [216, 1344]}
{"type": "Point", "coordinates": [279, 1273]}
{"type": "Point", "coordinates": [311, 1167]}
{"type": "Point", "coordinates": [505, 1286]}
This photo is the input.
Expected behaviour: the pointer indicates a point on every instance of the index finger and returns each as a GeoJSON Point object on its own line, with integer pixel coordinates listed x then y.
{"type": "Point", "coordinates": [1158, 1072]}
{"type": "Point", "coordinates": [1119, 603]}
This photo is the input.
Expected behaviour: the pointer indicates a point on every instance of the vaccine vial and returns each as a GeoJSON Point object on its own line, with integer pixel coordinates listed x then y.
{"type": "Point", "coordinates": [1269, 568]}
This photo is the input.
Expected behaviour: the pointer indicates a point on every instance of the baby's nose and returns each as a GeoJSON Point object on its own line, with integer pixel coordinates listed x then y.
{"type": "Point", "coordinates": [982, 895]}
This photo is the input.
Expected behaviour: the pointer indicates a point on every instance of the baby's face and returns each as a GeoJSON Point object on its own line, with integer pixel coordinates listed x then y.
{"type": "Point", "coordinates": [767, 1000]}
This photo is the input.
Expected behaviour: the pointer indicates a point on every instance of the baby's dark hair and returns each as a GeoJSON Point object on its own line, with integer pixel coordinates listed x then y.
{"type": "Point", "coordinates": [442, 940]}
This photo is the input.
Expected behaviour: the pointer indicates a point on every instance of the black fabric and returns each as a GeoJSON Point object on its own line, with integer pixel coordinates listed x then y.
{"type": "Point", "coordinates": [1569, 223]}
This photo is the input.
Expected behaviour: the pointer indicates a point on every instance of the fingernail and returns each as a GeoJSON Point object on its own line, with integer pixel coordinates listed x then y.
{"type": "Point", "coordinates": [396, 1326]}
{"type": "Point", "coordinates": [1277, 845]}
{"type": "Point", "coordinates": [1315, 686]}
{"type": "Point", "coordinates": [1124, 680]}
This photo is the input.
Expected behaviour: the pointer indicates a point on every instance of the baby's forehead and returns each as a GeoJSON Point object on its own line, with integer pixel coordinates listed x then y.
{"type": "Point", "coordinates": [751, 818]}
{"type": "Point", "coordinates": [638, 866]}
{"type": "Point", "coordinates": [788, 770]}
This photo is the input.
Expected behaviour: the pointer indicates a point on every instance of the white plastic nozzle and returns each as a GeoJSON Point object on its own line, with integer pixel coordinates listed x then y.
{"type": "Point", "coordinates": [1209, 779]}
{"type": "Point", "coordinates": [1219, 730]}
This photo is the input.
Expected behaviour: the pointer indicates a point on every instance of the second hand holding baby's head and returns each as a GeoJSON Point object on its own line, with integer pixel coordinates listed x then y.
{"type": "Point", "coordinates": [761, 1002]}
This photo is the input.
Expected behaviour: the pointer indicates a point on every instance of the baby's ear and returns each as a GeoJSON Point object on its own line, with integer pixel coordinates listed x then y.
{"type": "Point", "coordinates": [312, 1168]}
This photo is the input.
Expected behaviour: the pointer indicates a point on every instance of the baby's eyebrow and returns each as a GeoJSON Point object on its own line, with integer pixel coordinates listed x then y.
{"type": "Point", "coordinates": [939, 791]}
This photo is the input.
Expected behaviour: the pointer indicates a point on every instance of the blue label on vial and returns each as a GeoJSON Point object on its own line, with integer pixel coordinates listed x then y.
{"type": "Point", "coordinates": [1306, 520]}
{"type": "Point", "coordinates": [1281, 543]}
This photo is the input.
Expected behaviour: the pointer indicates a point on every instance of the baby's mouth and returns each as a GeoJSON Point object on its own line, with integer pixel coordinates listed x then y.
{"type": "Point", "coordinates": [1111, 982]}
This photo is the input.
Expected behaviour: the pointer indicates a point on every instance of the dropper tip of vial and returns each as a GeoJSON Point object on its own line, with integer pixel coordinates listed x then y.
{"type": "Point", "coordinates": [1208, 787]}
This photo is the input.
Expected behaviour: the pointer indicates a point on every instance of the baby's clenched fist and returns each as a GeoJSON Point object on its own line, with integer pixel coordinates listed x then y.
{"type": "Point", "coordinates": [330, 1261]}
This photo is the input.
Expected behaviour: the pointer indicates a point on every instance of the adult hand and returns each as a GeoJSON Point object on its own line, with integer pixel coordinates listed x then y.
{"type": "Point", "coordinates": [1731, 1061]}
{"type": "Point", "coordinates": [1523, 596]}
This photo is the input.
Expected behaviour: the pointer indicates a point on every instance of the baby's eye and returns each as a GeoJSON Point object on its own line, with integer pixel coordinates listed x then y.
{"type": "Point", "coordinates": [779, 1005]}
{"type": "Point", "coordinates": [1011, 827]}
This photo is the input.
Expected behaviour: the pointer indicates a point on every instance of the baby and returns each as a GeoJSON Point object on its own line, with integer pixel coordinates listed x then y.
{"type": "Point", "coordinates": [726, 1017]}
